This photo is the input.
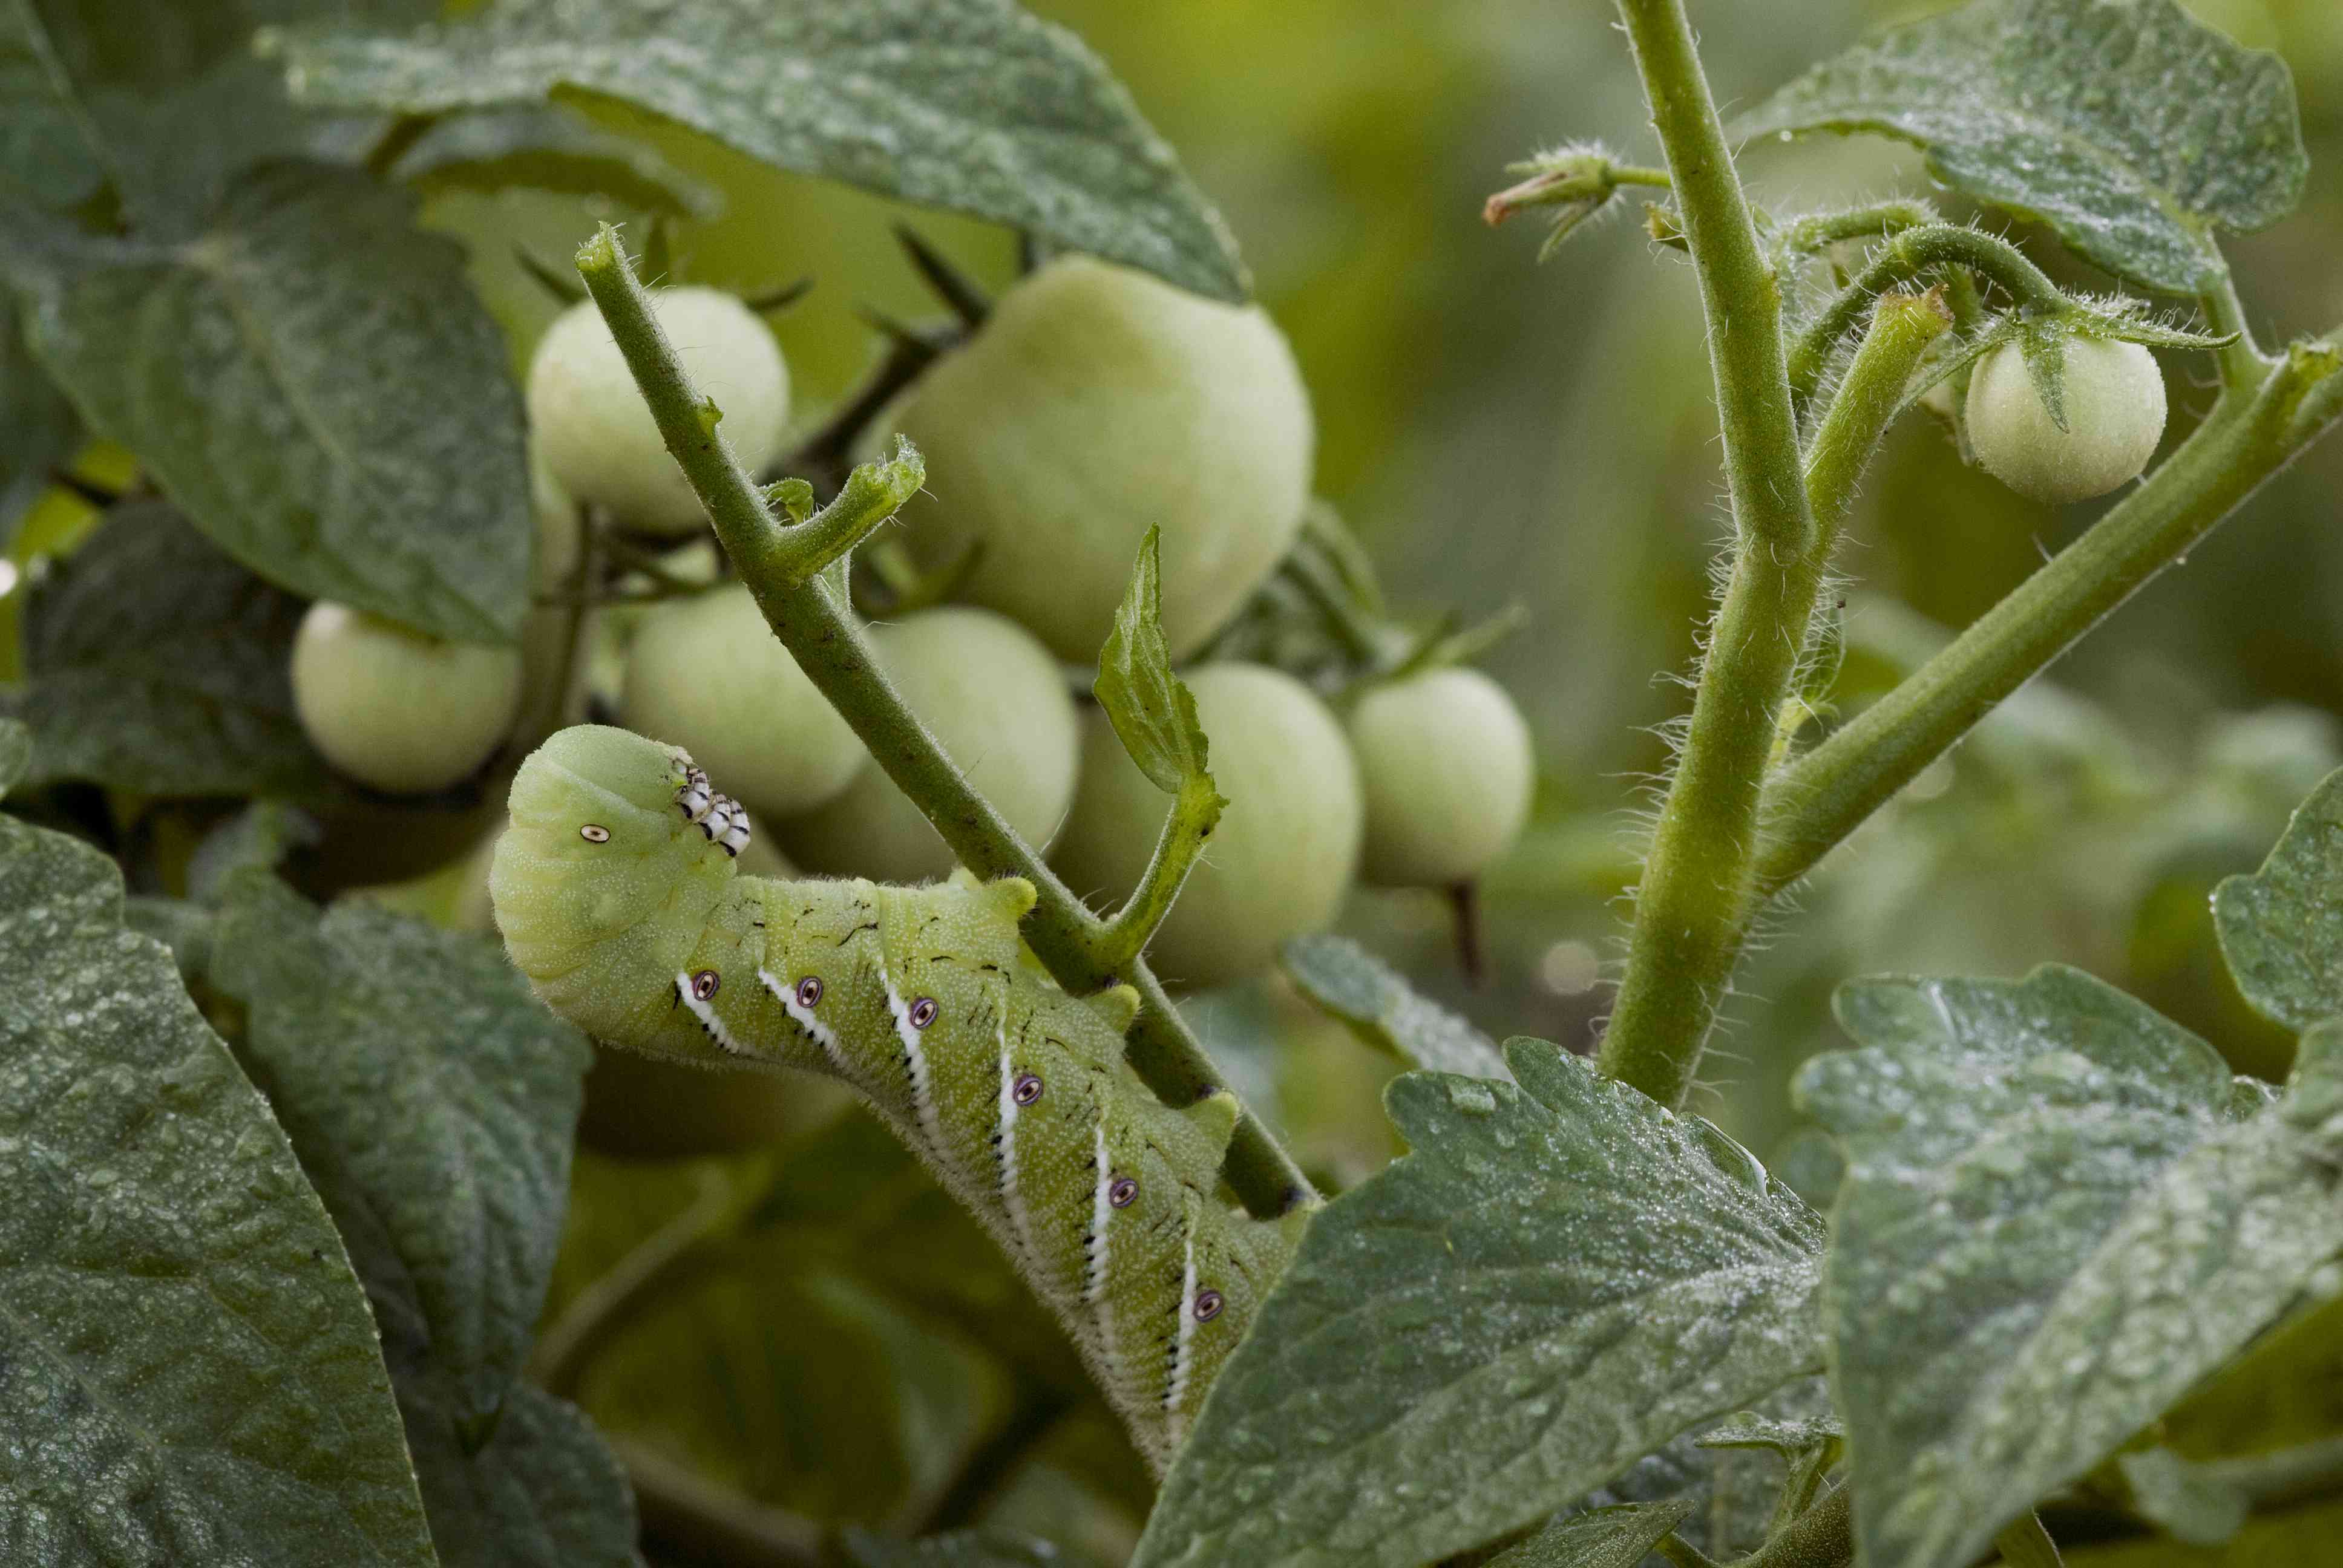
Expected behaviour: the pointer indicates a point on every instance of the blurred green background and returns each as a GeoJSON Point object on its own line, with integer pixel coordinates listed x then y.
{"type": "Point", "coordinates": [1497, 430]}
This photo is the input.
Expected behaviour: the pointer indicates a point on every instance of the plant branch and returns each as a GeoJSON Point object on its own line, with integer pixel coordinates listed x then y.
{"type": "Point", "coordinates": [1195, 812]}
{"type": "Point", "coordinates": [2242, 364]}
{"type": "Point", "coordinates": [812, 620]}
{"type": "Point", "coordinates": [1815, 232]}
{"type": "Point", "coordinates": [1828, 793]}
{"type": "Point", "coordinates": [1690, 908]}
{"type": "Point", "coordinates": [656, 1265]}
{"type": "Point", "coordinates": [1821, 1537]}
{"type": "Point", "coordinates": [688, 1514]}
{"type": "Point", "coordinates": [1911, 256]}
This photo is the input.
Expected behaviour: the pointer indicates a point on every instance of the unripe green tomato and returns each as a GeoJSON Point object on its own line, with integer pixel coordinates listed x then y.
{"type": "Point", "coordinates": [589, 419]}
{"type": "Point", "coordinates": [546, 631]}
{"type": "Point", "coordinates": [2114, 415]}
{"type": "Point", "coordinates": [1286, 847]}
{"type": "Point", "coordinates": [400, 712]}
{"type": "Point", "coordinates": [1095, 403]}
{"type": "Point", "coordinates": [998, 701]}
{"type": "Point", "coordinates": [1446, 761]}
{"type": "Point", "coordinates": [706, 673]}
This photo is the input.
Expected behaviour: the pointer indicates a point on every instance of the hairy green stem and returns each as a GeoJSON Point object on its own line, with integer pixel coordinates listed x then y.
{"type": "Point", "coordinates": [1688, 910]}
{"type": "Point", "coordinates": [782, 567]}
{"type": "Point", "coordinates": [1195, 812]}
{"type": "Point", "coordinates": [1828, 793]}
{"type": "Point", "coordinates": [2243, 365]}
{"type": "Point", "coordinates": [1821, 1537]}
{"type": "Point", "coordinates": [1910, 257]}
{"type": "Point", "coordinates": [1872, 222]}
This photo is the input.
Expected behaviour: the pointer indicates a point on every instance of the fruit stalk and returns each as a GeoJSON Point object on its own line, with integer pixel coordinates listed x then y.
{"type": "Point", "coordinates": [811, 619]}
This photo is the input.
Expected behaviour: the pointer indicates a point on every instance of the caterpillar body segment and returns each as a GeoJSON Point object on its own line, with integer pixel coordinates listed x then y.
{"type": "Point", "coordinates": [618, 896]}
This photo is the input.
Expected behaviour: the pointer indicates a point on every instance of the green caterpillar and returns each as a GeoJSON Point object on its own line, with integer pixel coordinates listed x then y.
{"type": "Point", "coordinates": [617, 894]}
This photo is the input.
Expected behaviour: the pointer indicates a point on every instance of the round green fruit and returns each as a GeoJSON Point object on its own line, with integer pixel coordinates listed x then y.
{"type": "Point", "coordinates": [2115, 416]}
{"type": "Point", "coordinates": [400, 712]}
{"type": "Point", "coordinates": [1286, 847]}
{"type": "Point", "coordinates": [589, 422]}
{"type": "Point", "coordinates": [999, 703]}
{"type": "Point", "coordinates": [1446, 761]}
{"type": "Point", "coordinates": [1094, 403]}
{"type": "Point", "coordinates": [707, 674]}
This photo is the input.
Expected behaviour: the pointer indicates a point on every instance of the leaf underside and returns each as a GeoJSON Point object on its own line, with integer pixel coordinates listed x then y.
{"type": "Point", "coordinates": [2131, 130]}
{"type": "Point", "coordinates": [971, 104]}
{"type": "Point", "coordinates": [313, 382]}
{"type": "Point", "coordinates": [1382, 1009]}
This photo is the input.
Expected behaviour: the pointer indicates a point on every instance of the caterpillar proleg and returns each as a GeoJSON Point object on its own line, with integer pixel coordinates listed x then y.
{"type": "Point", "coordinates": [618, 896]}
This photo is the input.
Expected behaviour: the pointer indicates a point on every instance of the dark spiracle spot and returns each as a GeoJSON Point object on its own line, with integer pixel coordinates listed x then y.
{"type": "Point", "coordinates": [595, 833]}
{"type": "Point", "coordinates": [923, 1012]}
{"type": "Point", "coordinates": [1208, 1305]}
{"type": "Point", "coordinates": [809, 990]}
{"type": "Point", "coordinates": [1120, 1191]}
{"type": "Point", "coordinates": [704, 984]}
{"type": "Point", "coordinates": [1026, 1090]}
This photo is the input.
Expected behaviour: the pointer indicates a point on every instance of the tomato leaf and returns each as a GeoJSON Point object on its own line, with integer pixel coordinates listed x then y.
{"type": "Point", "coordinates": [1386, 1012]}
{"type": "Point", "coordinates": [2281, 927]}
{"type": "Point", "coordinates": [1560, 1277]}
{"type": "Point", "coordinates": [188, 1369]}
{"type": "Point", "coordinates": [313, 382]}
{"type": "Point", "coordinates": [2131, 129]}
{"type": "Point", "coordinates": [2060, 1213]}
{"type": "Point", "coordinates": [971, 104]}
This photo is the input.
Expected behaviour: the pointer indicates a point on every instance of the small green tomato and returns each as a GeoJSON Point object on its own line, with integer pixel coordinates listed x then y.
{"type": "Point", "coordinates": [400, 712]}
{"type": "Point", "coordinates": [1445, 761]}
{"type": "Point", "coordinates": [2114, 415]}
{"type": "Point", "coordinates": [999, 704]}
{"type": "Point", "coordinates": [1095, 403]}
{"type": "Point", "coordinates": [706, 673]}
{"type": "Point", "coordinates": [1286, 847]}
{"type": "Point", "coordinates": [590, 421]}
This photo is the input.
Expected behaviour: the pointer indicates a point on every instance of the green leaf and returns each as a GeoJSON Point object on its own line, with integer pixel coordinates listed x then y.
{"type": "Point", "coordinates": [2130, 128]}
{"type": "Point", "coordinates": [38, 431]}
{"type": "Point", "coordinates": [186, 1363]}
{"type": "Point", "coordinates": [1152, 709]}
{"type": "Point", "coordinates": [1615, 1537]}
{"type": "Point", "coordinates": [543, 1491]}
{"type": "Point", "coordinates": [2059, 1215]}
{"type": "Point", "coordinates": [46, 153]}
{"type": "Point", "coordinates": [1735, 1492]}
{"type": "Point", "coordinates": [313, 382]}
{"type": "Point", "coordinates": [1559, 1277]}
{"type": "Point", "coordinates": [1385, 1012]}
{"type": "Point", "coordinates": [433, 1102]}
{"type": "Point", "coordinates": [1748, 1429]}
{"type": "Point", "coordinates": [162, 100]}
{"type": "Point", "coordinates": [971, 104]}
{"type": "Point", "coordinates": [546, 147]}
{"type": "Point", "coordinates": [157, 665]}
{"type": "Point", "coordinates": [962, 1549]}
{"type": "Point", "coordinates": [263, 835]}
{"type": "Point", "coordinates": [432, 1098]}
{"type": "Point", "coordinates": [2281, 927]}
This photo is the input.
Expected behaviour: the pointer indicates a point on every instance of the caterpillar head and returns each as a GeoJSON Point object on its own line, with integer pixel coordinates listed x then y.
{"type": "Point", "coordinates": [615, 839]}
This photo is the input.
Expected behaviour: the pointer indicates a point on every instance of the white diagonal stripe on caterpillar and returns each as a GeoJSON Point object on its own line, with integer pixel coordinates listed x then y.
{"type": "Point", "coordinates": [1012, 1202]}
{"type": "Point", "coordinates": [915, 1068]}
